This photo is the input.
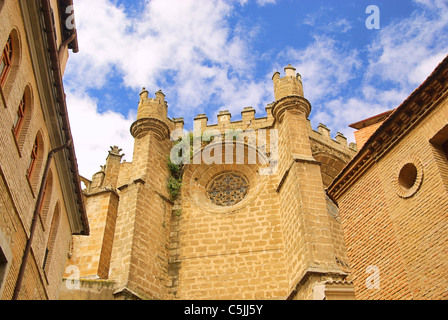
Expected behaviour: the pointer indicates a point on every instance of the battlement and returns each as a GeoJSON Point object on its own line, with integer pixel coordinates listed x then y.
{"type": "Point", "coordinates": [288, 86]}
{"type": "Point", "coordinates": [248, 121]}
{"type": "Point", "coordinates": [323, 135]}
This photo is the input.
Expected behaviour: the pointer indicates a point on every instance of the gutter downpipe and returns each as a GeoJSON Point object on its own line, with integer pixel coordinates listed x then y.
{"type": "Point", "coordinates": [36, 219]}
{"type": "Point", "coordinates": [65, 44]}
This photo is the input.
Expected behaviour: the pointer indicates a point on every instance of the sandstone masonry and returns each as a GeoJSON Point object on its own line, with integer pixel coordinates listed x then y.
{"type": "Point", "coordinates": [283, 240]}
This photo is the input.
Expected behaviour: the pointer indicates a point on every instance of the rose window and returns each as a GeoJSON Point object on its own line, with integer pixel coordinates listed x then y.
{"type": "Point", "coordinates": [228, 189]}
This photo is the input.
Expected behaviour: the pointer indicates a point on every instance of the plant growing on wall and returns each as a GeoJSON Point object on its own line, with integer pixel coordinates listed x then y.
{"type": "Point", "coordinates": [174, 183]}
{"type": "Point", "coordinates": [175, 179]}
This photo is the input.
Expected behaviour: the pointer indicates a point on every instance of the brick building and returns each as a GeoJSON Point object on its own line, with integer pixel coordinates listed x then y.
{"type": "Point", "coordinates": [393, 198]}
{"type": "Point", "coordinates": [255, 227]}
{"type": "Point", "coordinates": [41, 204]}
{"type": "Point", "coordinates": [290, 214]}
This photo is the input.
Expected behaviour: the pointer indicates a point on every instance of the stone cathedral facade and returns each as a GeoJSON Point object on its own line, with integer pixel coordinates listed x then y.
{"type": "Point", "coordinates": [231, 232]}
{"type": "Point", "coordinates": [257, 208]}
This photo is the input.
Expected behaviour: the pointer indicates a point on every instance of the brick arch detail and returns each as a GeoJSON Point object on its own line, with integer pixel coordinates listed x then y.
{"type": "Point", "coordinates": [331, 166]}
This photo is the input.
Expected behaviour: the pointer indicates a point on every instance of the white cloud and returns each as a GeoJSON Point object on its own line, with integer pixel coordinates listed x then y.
{"type": "Point", "coordinates": [326, 20]}
{"type": "Point", "coordinates": [95, 132]}
{"type": "Point", "coordinates": [102, 41]}
{"type": "Point", "coordinates": [261, 3]}
{"type": "Point", "coordinates": [265, 2]}
{"type": "Point", "coordinates": [325, 66]}
{"type": "Point", "coordinates": [400, 58]}
{"type": "Point", "coordinates": [340, 25]}
{"type": "Point", "coordinates": [189, 40]}
{"type": "Point", "coordinates": [339, 113]}
{"type": "Point", "coordinates": [188, 49]}
{"type": "Point", "coordinates": [184, 47]}
{"type": "Point", "coordinates": [406, 52]}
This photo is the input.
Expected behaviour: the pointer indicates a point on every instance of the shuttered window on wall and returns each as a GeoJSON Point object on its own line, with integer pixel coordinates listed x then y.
{"type": "Point", "coordinates": [6, 61]}
{"type": "Point", "coordinates": [33, 158]}
{"type": "Point", "coordinates": [20, 117]}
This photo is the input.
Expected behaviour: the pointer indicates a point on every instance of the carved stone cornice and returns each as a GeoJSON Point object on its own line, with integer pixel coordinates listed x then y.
{"type": "Point", "coordinates": [142, 126]}
{"type": "Point", "coordinates": [293, 103]}
{"type": "Point", "coordinates": [319, 146]}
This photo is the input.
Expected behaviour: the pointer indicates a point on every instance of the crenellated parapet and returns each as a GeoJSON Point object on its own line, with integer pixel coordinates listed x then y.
{"type": "Point", "coordinates": [332, 154]}
{"type": "Point", "coordinates": [340, 142]}
{"type": "Point", "coordinates": [224, 121]}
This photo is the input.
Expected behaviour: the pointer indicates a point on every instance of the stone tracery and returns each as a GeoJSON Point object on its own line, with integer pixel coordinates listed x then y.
{"type": "Point", "coordinates": [228, 189]}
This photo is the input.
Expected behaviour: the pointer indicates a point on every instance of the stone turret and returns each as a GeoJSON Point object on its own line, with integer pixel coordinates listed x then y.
{"type": "Point", "coordinates": [152, 116]}
{"type": "Point", "coordinates": [289, 85]}
{"type": "Point", "coordinates": [144, 203]}
{"type": "Point", "coordinates": [289, 94]}
{"type": "Point", "coordinates": [152, 107]}
{"type": "Point", "coordinates": [304, 206]}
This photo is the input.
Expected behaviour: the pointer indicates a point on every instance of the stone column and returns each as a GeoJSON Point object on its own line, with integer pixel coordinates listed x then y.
{"type": "Point", "coordinates": [305, 225]}
{"type": "Point", "coordinates": [140, 255]}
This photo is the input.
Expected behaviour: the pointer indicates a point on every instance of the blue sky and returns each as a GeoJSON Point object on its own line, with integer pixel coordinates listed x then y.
{"type": "Point", "coordinates": [212, 55]}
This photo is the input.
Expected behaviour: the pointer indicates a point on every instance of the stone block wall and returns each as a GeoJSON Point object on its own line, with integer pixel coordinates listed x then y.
{"type": "Point", "coordinates": [277, 231]}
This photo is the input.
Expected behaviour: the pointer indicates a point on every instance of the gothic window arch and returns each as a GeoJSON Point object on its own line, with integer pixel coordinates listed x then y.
{"type": "Point", "coordinates": [46, 198]}
{"type": "Point", "coordinates": [49, 249]}
{"type": "Point", "coordinates": [6, 61]}
{"type": "Point", "coordinates": [23, 117]}
{"type": "Point", "coordinates": [35, 162]}
{"type": "Point", "coordinates": [10, 61]}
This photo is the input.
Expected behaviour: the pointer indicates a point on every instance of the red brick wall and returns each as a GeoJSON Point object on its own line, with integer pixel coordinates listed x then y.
{"type": "Point", "coordinates": [404, 234]}
{"type": "Point", "coordinates": [364, 134]}
{"type": "Point", "coordinates": [371, 240]}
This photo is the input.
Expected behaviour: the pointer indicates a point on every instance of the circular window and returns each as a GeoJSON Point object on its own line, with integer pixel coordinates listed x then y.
{"type": "Point", "coordinates": [410, 177]}
{"type": "Point", "coordinates": [228, 189]}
